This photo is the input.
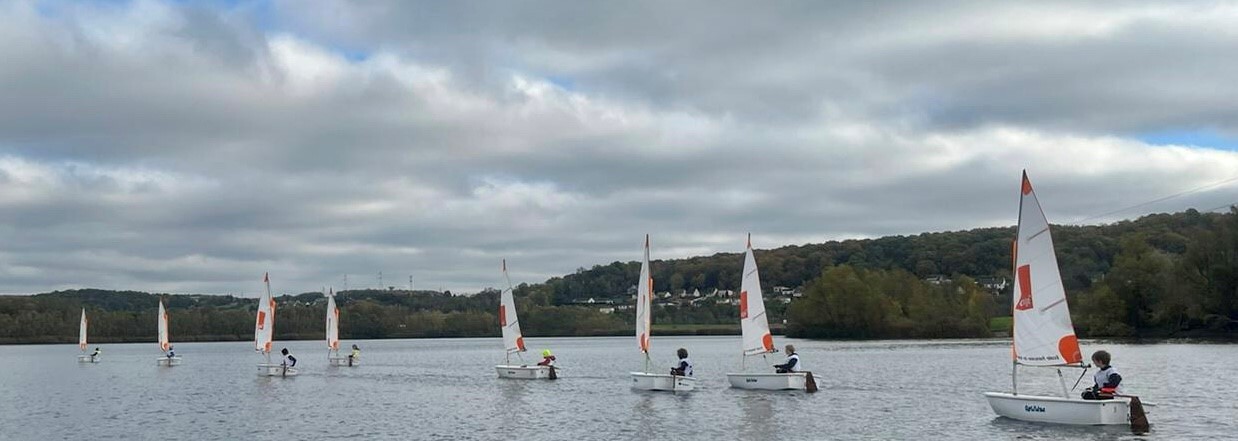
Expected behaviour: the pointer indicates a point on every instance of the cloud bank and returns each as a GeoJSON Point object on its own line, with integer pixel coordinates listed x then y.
{"type": "Point", "coordinates": [190, 148]}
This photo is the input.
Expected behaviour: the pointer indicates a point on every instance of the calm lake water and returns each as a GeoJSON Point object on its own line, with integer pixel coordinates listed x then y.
{"type": "Point", "coordinates": [447, 389]}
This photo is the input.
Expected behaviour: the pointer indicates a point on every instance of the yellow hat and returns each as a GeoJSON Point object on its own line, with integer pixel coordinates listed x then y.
{"type": "Point", "coordinates": [545, 352]}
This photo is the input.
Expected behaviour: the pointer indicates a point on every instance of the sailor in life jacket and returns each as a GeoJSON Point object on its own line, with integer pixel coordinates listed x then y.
{"type": "Point", "coordinates": [289, 360]}
{"type": "Point", "coordinates": [684, 368]}
{"type": "Point", "coordinates": [1108, 381]}
{"type": "Point", "coordinates": [98, 352]}
{"type": "Point", "coordinates": [792, 364]}
{"type": "Point", "coordinates": [548, 359]}
{"type": "Point", "coordinates": [171, 352]}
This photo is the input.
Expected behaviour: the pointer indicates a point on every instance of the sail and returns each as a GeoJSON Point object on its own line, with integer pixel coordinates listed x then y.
{"type": "Point", "coordinates": [164, 341]}
{"type": "Point", "coordinates": [512, 339]}
{"type": "Point", "coordinates": [752, 319]}
{"type": "Point", "coordinates": [644, 303]}
{"type": "Point", "coordinates": [333, 324]}
{"type": "Point", "coordinates": [264, 323]}
{"type": "Point", "coordinates": [1043, 333]}
{"type": "Point", "coordinates": [81, 332]}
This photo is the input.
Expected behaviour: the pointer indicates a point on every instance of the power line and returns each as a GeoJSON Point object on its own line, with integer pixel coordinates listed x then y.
{"type": "Point", "coordinates": [1161, 199]}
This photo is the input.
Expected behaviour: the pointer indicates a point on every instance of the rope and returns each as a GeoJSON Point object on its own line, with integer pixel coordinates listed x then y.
{"type": "Point", "coordinates": [1161, 199]}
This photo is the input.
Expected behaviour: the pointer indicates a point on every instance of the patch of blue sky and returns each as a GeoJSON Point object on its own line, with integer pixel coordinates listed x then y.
{"type": "Point", "coordinates": [1191, 137]}
{"type": "Point", "coordinates": [562, 82]}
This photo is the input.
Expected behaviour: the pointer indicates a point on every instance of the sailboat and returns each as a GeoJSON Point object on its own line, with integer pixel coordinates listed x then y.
{"type": "Point", "coordinates": [513, 341]}
{"type": "Point", "coordinates": [164, 341]}
{"type": "Point", "coordinates": [757, 339]}
{"type": "Point", "coordinates": [81, 343]}
{"type": "Point", "coordinates": [333, 335]}
{"type": "Point", "coordinates": [1043, 333]}
{"type": "Point", "coordinates": [644, 324]}
{"type": "Point", "coordinates": [264, 334]}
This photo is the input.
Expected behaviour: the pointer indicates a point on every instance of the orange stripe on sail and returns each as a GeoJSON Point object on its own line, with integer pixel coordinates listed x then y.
{"type": "Point", "coordinates": [1068, 346]}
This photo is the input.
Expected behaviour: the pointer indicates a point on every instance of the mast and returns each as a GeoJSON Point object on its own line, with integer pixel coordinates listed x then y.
{"type": "Point", "coordinates": [757, 339]}
{"type": "Point", "coordinates": [81, 333]}
{"type": "Point", "coordinates": [264, 322]}
{"type": "Point", "coordinates": [513, 340]}
{"type": "Point", "coordinates": [333, 325]}
{"type": "Point", "coordinates": [1042, 331]}
{"type": "Point", "coordinates": [644, 306]}
{"type": "Point", "coordinates": [164, 338]}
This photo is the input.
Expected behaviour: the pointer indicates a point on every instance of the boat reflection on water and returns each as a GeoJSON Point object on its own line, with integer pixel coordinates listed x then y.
{"type": "Point", "coordinates": [757, 415]}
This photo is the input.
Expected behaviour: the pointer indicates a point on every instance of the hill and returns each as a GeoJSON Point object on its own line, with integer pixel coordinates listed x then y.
{"type": "Point", "coordinates": [1157, 276]}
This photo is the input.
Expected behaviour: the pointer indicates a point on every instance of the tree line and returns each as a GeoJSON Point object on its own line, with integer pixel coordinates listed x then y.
{"type": "Point", "coordinates": [1160, 275]}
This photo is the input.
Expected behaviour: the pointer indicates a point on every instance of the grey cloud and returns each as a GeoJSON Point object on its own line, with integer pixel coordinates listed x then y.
{"type": "Point", "coordinates": [199, 150]}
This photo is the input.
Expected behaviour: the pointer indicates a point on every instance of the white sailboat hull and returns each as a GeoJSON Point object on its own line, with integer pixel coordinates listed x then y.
{"type": "Point", "coordinates": [275, 370]}
{"type": "Point", "coordinates": [662, 382]}
{"type": "Point", "coordinates": [166, 361]}
{"type": "Point", "coordinates": [88, 359]}
{"type": "Point", "coordinates": [344, 361]}
{"type": "Point", "coordinates": [790, 381]}
{"type": "Point", "coordinates": [524, 372]}
{"type": "Point", "coordinates": [1060, 410]}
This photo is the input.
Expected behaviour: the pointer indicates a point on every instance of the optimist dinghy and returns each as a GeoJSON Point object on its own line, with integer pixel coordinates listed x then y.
{"type": "Point", "coordinates": [333, 336]}
{"type": "Point", "coordinates": [81, 343]}
{"type": "Point", "coordinates": [264, 334]}
{"type": "Point", "coordinates": [513, 340]}
{"type": "Point", "coordinates": [644, 323]}
{"type": "Point", "coordinates": [757, 339]}
{"type": "Point", "coordinates": [1043, 333]}
{"type": "Point", "coordinates": [165, 341]}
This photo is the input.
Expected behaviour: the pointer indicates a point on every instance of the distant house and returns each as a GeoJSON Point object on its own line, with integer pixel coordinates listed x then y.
{"type": "Point", "coordinates": [606, 310]}
{"type": "Point", "coordinates": [992, 283]}
{"type": "Point", "coordinates": [937, 279]}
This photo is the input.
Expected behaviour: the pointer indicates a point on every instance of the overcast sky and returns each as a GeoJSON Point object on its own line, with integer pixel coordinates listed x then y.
{"type": "Point", "coordinates": [189, 147]}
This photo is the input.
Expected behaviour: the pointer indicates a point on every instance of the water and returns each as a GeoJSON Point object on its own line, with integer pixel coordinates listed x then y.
{"type": "Point", "coordinates": [447, 389]}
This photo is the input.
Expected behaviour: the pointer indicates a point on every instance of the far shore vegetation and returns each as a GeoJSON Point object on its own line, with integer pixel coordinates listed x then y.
{"type": "Point", "coordinates": [1161, 276]}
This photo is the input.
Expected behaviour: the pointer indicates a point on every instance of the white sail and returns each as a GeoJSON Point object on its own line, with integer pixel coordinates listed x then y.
{"type": "Point", "coordinates": [264, 324]}
{"type": "Point", "coordinates": [164, 340]}
{"type": "Point", "coordinates": [752, 319]}
{"type": "Point", "coordinates": [644, 303]}
{"type": "Point", "coordinates": [81, 332]}
{"type": "Point", "coordinates": [1043, 333]}
{"type": "Point", "coordinates": [512, 339]}
{"type": "Point", "coordinates": [333, 324]}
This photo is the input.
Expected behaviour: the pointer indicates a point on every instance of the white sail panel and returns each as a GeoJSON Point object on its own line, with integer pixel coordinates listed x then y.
{"type": "Point", "coordinates": [333, 324]}
{"type": "Point", "coordinates": [752, 319]}
{"type": "Point", "coordinates": [81, 332]}
{"type": "Point", "coordinates": [512, 339]}
{"type": "Point", "coordinates": [1043, 333]}
{"type": "Point", "coordinates": [164, 339]}
{"type": "Point", "coordinates": [644, 303]}
{"type": "Point", "coordinates": [264, 323]}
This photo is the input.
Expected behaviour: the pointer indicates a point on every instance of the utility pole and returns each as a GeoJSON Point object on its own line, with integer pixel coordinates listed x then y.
{"type": "Point", "coordinates": [410, 283]}
{"type": "Point", "coordinates": [346, 282]}
{"type": "Point", "coordinates": [380, 281]}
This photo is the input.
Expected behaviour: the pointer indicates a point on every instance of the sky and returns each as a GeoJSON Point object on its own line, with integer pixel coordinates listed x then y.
{"type": "Point", "coordinates": [190, 147]}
